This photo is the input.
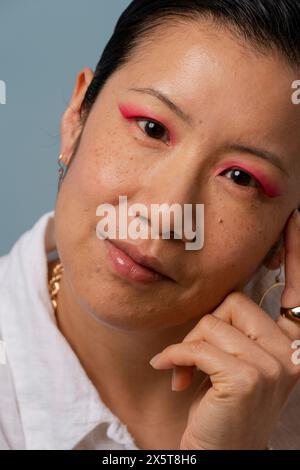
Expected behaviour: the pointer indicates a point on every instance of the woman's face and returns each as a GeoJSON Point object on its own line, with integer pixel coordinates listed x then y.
{"type": "Point", "coordinates": [240, 114]}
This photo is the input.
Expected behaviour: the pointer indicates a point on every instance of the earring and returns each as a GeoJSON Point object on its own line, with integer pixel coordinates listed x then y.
{"type": "Point", "coordinates": [276, 284]}
{"type": "Point", "coordinates": [62, 170]}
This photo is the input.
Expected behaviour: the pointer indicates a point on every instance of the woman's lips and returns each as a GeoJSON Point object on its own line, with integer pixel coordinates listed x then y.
{"type": "Point", "coordinates": [125, 266]}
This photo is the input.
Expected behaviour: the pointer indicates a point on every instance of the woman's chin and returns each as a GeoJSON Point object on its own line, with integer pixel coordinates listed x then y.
{"type": "Point", "coordinates": [110, 307]}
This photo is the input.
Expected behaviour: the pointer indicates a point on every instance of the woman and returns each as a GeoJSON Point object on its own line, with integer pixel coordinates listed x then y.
{"type": "Point", "coordinates": [190, 103]}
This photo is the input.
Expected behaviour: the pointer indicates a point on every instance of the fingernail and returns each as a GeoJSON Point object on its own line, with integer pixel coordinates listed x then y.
{"type": "Point", "coordinates": [297, 218]}
{"type": "Point", "coordinates": [155, 359]}
{"type": "Point", "coordinates": [174, 385]}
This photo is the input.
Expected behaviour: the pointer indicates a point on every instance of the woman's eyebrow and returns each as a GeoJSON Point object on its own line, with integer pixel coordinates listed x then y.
{"type": "Point", "coordinates": [265, 154]}
{"type": "Point", "coordinates": [166, 100]}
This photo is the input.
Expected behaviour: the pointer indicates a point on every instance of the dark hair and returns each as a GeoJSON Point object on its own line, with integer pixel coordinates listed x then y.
{"type": "Point", "coordinates": [266, 24]}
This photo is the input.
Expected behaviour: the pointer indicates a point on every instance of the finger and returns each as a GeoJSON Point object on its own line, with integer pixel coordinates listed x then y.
{"type": "Point", "coordinates": [232, 341]}
{"type": "Point", "coordinates": [182, 377]}
{"type": "Point", "coordinates": [202, 355]}
{"type": "Point", "coordinates": [229, 339]}
{"type": "Point", "coordinates": [228, 374]}
{"type": "Point", "coordinates": [251, 319]}
{"type": "Point", "coordinates": [248, 318]}
{"type": "Point", "coordinates": [291, 294]}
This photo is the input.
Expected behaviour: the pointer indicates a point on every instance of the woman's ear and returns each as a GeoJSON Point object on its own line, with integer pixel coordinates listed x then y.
{"type": "Point", "coordinates": [275, 257]}
{"type": "Point", "coordinates": [71, 125]}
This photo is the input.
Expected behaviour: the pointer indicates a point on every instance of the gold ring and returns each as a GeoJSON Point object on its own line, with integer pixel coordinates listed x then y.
{"type": "Point", "coordinates": [292, 313]}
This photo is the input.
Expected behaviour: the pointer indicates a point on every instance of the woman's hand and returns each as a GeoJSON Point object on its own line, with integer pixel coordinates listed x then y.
{"type": "Point", "coordinates": [247, 358]}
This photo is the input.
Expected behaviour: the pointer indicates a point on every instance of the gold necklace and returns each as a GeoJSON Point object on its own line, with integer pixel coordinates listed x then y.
{"type": "Point", "coordinates": [54, 284]}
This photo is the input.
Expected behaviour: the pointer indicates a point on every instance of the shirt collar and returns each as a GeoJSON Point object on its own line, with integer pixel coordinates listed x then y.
{"type": "Point", "coordinates": [58, 403]}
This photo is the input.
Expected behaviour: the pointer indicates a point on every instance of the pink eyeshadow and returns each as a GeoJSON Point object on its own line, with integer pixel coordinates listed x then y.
{"type": "Point", "coordinates": [270, 188]}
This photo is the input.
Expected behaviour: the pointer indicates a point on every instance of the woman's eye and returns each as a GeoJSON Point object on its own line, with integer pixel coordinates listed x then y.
{"type": "Point", "coordinates": [153, 129]}
{"type": "Point", "coordinates": [242, 178]}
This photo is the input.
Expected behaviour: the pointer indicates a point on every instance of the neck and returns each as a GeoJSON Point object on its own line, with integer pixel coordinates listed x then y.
{"type": "Point", "coordinates": [117, 363]}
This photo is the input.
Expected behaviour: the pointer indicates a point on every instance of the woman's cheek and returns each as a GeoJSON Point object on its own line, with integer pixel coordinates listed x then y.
{"type": "Point", "coordinates": [91, 183]}
{"type": "Point", "coordinates": [236, 242]}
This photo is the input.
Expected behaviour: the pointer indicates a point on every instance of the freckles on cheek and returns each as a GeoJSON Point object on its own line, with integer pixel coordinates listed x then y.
{"type": "Point", "coordinates": [114, 161]}
{"type": "Point", "coordinates": [92, 172]}
{"type": "Point", "coordinates": [98, 181]}
{"type": "Point", "coordinates": [86, 180]}
{"type": "Point", "coordinates": [231, 238]}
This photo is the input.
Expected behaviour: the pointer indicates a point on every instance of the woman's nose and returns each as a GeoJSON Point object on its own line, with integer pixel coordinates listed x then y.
{"type": "Point", "coordinates": [176, 179]}
{"type": "Point", "coordinates": [174, 197]}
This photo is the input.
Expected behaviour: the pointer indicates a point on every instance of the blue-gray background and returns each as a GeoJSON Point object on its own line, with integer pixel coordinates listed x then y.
{"type": "Point", "coordinates": [43, 45]}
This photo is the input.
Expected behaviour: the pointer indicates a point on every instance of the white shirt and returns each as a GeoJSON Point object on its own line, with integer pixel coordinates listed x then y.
{"type": "Point", "coordinates": [47, 400]}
